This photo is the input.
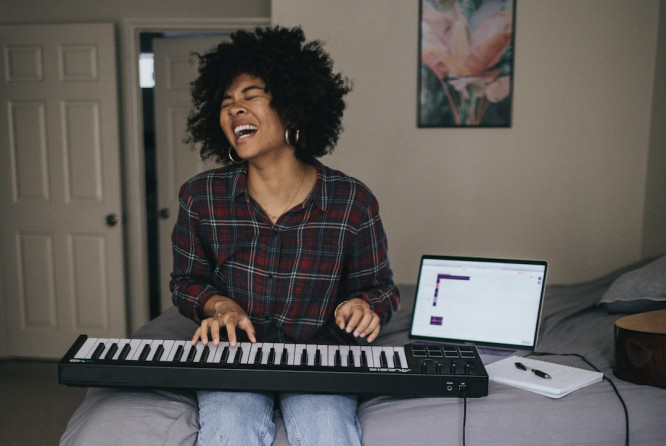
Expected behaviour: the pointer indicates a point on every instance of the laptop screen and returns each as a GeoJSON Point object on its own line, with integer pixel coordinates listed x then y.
{"type": "Point", "coordinates": [493, 302]}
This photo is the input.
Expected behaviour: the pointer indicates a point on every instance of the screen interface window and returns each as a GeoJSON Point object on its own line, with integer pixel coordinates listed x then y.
{"type": "Point", "coordinates": [478, 301]}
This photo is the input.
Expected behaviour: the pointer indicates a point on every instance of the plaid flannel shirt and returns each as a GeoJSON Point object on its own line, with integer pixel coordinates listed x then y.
{"type": "Point", "coordinates": [288, 277]}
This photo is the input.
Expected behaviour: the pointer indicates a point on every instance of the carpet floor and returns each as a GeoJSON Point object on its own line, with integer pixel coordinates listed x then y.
{"type": "Point", "coordinates": [34, 408]}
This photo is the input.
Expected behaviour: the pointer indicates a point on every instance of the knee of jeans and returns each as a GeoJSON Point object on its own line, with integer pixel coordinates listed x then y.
{"type": "Point", "coordinates": [321, 419]}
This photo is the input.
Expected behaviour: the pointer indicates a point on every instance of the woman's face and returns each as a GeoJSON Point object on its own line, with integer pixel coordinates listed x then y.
{"type": "Point", "coordinates": [249, 122]}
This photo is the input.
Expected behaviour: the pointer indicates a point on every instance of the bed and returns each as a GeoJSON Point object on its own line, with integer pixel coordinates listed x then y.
{"type": "Point", "coordinates": [576, 318]}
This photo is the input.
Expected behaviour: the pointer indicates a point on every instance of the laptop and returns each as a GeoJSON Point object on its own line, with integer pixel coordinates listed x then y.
{"type": "Point", "coordinates": [493, 304]}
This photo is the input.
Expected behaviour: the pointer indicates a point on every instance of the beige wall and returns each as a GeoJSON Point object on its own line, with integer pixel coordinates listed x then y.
{"type": "Point", "coordinates": [567, 183]}
{"type": "Point", "coordinates": [64, 11]}
{"type": "Point", "coordinates": [654, 229]}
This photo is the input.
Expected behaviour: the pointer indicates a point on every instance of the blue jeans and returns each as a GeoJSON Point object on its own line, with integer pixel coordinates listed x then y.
{"type": "Point", "coordinates": [244, 418]}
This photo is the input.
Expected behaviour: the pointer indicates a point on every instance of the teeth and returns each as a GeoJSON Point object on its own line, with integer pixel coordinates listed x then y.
{"type": "Point", "coordinates": [243, 130]}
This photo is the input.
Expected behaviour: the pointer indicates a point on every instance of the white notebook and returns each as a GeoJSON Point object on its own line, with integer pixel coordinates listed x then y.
{"type": "Point", "coordinates": [563, 379]}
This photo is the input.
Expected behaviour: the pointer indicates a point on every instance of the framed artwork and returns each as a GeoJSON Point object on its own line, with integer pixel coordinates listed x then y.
{"type": "Point", "coordinates": [465, 68]}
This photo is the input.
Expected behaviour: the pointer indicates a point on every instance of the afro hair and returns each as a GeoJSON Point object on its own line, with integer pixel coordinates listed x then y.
{"type": "Point", "coordinates": [306, 94]}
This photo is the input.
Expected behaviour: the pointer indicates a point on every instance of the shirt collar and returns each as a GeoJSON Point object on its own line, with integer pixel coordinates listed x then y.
{"type": "Point", "coordinates": [319, 191]}
{"type": "Point", "coordinates": [239, 185]}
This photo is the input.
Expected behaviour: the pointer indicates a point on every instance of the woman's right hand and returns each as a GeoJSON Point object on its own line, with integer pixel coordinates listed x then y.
{"type": "Point", "coordinates": [225, 313]}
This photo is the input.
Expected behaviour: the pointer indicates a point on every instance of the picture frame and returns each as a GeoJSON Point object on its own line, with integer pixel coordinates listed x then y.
{"type": "Point", "coordinates": [465, 69]}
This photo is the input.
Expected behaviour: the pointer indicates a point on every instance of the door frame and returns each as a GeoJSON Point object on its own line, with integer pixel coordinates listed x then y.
{"type": "Point", "coordinates": [134, 193]}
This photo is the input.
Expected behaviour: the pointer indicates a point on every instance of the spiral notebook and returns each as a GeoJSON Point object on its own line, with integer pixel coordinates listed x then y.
{"type": "Point", "coordinates": [563, 379]}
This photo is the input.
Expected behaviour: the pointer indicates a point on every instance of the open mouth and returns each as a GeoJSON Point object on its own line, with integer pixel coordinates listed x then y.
{"type": "Point", "coordinates": [244, 131]}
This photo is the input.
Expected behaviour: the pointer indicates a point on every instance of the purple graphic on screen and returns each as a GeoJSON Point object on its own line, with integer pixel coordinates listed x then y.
{"type": "Point", "coordinates": [441, 277]}
{"type": "Point", "coordinates": [436, 320]}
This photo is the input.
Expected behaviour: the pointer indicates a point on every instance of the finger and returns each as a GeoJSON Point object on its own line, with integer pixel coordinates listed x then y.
{"type": "Point", "coordinates": [249, 329]}
{"type": "Point", "coordinates": [356, 314]}
{"type": "Point", "coordinates": [363, 324]}
{"type": "Point", "coordinates": [231, 333]}
{"type": "Point", "coordinates": [374, 333]}
{"type": "Point", "coordinates": [340, 320]}
{"type": "Point", "coordinates": [196, 336]}
{"type": "Point", "coordinates": [215, 331]}
{"type": "Point", "coordinates": [203, 331]}
{"type": "Point", "coordinates": [368, 325]}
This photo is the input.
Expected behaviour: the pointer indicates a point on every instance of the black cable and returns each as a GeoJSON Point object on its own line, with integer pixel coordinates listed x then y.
{"type": "Point", "coordinates": [617, 392]}
{"type": "Point", "coordinates": [463, 391]}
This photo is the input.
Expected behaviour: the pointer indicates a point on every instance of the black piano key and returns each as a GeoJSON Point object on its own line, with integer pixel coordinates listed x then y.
{"type": "Point", "coordinates": [396, 360]}
{"type": "Point", "coordinates": [191, 354]}
{"type": "Point", "coordinates": [271, 356]}
{"type": "Point", "coordinates": [284, 357]}
{"type": "Point", "coordinates": [257, 358]}
{"type": "Point", "coordinates": [383, 363]}
{"type": "Point", "coordinates": [350, 359]}
{"type": "Point", "coordinates": [124, 352]}
{"type": "Point", "coordinates": [304, 357]}
{"type": "Point", "coordinates": [238, 355]}
{"type": "Point", "coordinates": [338, 358]}
{"type": "Point", "coordinates": [144, 352]}
{"type": "Point", "coordinates": [318, 357]}
{"type": "Point", "coordinates": [225, 354]}
{"type": "Point", "coordinates": [204, 354]}
{"type": "Point", "coordinates": [158, 353]}
{"type": "Point", "coordinates": [98, 351]}
{"type": "Point", "coordinates": [112, 351]}
{"type": "Point", "coordinates": [179, 353]}
{"type": "Point", "coordinates": [364, 359]}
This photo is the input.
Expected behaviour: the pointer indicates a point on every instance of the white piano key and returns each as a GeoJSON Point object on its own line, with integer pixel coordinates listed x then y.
{"type": "Point", "coordinates": [298, 354]}
{"type": "Point", "coordinates": [154, 344]}
{"type": "Point", "coordinates": [344, 355]}
{"type": "Point", "coordinates": [254, 351]}
{"type": "Point", "coordinates": [85, 350]}
{"type": "Point", "coordinates": [246, 346]}
{"type": "Point", "coordinates": [332, 349]}
{"type": "Point", "coordinates": [121, 344]}
{"type": "Point", "coordinates": [356, 352]}
{"type": "Point", "coordinates": [278, 348]}
{"type": "Point", "coordinates": [168, 345]}
{"type": "Point", "coordinates": [265, 352]}
{"type": "Point", "coordinates": [136, 345]}
{"type": "Point", "coordinates": [324, 354]}
{"type": "Point", "coordinates": [312, 351]}
{"type": "Point", "coordinates": [232, 353]}
{"type": "Point", "coordinates": [291, 358]}
{"type": "Point", "coordinates": [187, 347]}
{"type": "Point", "coordinates": [368, 356]}
{"type": "Point", "coordinates": [107, 346]}
{"type": "Point", "coordinates": [174, 349]}
{"type": "Point", "coordinates": [402, 355]}
{"type": "Point", "coordinates": [199, 350]}
{"type": "Point", "coordinates": [217, 358]}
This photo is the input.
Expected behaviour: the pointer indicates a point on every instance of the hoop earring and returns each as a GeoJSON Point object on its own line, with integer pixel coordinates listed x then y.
{"type": "Point", "coordinates": [287, 137]}
{"type": "Point", "coordinates": [239, 161]}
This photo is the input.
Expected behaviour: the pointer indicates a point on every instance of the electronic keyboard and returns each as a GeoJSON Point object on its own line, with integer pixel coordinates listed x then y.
{"type": "Point", "coordinates": [413, 369]}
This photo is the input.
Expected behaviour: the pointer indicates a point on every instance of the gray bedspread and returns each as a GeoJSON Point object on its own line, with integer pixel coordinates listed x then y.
{"type": "Point", "coordinates": [571, 323]}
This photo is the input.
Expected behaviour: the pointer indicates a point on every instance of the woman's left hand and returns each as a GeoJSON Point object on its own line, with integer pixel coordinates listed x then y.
{"type": "Point", "coordinates": [355, 316]}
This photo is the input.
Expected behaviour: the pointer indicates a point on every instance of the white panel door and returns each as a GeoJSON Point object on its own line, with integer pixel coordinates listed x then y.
{"type": "Point", "coordinates": [175, 69]}
{"type": "Point", "coordinates": [61, 232]}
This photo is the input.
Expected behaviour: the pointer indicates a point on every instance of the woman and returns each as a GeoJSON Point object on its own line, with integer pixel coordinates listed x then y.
{"type": "Point", "coordinates": [275, 246]}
